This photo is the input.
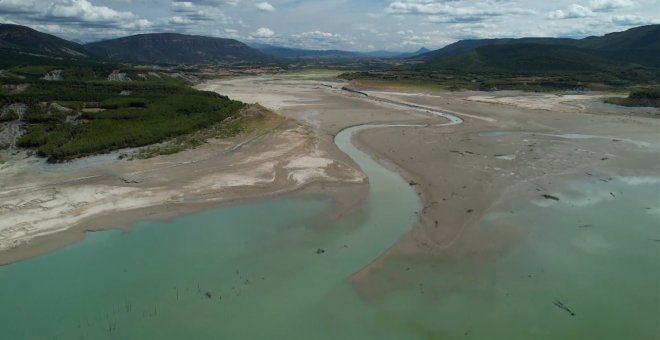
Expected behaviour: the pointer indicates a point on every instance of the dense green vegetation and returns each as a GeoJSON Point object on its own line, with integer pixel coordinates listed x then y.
{"type": "Point", "coordinates": [83, 113]}
{"type": "Point", "coordinates": [226, 129]}
{"type": "Point", "coordinates": [619, 60]}
{"type": "Point", "coordinates": [174, 48]}
{"type": "Point", "coordinates": [153, 112]}
{"type": "Point", "coordinates": [648, 97]}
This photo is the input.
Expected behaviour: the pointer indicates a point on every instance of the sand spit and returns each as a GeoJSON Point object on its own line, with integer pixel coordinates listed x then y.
{"type": "Point", "coordinates": [465, 172]}
{"type": "Point", "coordinates": [547, 102]}
{"type": "Point", "coordinates": [502, 157]}
{"type": "Point", "coordinates": [36, 201]}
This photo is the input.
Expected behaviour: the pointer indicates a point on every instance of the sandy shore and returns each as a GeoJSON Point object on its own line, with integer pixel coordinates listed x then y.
{"type": "Point", "coordinates": [505, 154]}
{"type": "Point", "coordinates": [464, 172]}
{"type": "Point", "coordinates": [45, 207]}
{"type": "Point", "coordinates": [512, 148]}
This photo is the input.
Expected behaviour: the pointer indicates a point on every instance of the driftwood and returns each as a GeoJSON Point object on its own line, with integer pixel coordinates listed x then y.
{"type": "Point", "coordinates": [559, 304]}
{"type": "Point", "coordinates": [550, 197]}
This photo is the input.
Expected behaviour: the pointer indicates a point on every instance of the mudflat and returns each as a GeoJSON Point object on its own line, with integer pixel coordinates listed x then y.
{"type": "Point", "coordinates": [512, 148]}
{"type": "Point", "coordinates": [504, 154]}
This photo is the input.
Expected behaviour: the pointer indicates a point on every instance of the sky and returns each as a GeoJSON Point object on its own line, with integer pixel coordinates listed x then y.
{"type": "Point", "coordinates": [359, 25]}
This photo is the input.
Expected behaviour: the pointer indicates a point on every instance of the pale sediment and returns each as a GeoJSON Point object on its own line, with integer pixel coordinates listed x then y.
{"type": "Point", "coordinates": [465, 172]}
{"type": "Point", "coordinates": [37, 203]}
{"type": "Point", "coordinates": [461, 172]}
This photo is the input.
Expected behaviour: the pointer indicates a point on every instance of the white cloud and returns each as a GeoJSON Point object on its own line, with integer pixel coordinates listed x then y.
{"type": "Point", "coordinates": [85, 11]}
{"type": "Point", "coordinates": [179, 20]}
{"type": "Point", "coordinates": [194, 13]}
{"type": "Point", "coordinates": [574, 12]}
{"type": "Point", "coordinates": [86, 14]}
{"type": "Point", "coordinates": [263, 33]}
{"type": "Point", "coordinates": [633, 20]}
{"type": "Point", "coordinates": [319, 34]}
{"type": "Point", "coordinates": [609, 5]}
{"type": "Point", "coordinates": [17, 6]}
{"type": "Point", "coordinates": [264, 6]}
{"type": "Point", "coordinates": [455, 11]}
{"type": "Point", "coordinates": [209, 2]}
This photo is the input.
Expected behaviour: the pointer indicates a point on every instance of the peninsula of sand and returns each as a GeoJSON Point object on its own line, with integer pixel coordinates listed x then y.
{"type": "Point", "coordinates": [510, 148]}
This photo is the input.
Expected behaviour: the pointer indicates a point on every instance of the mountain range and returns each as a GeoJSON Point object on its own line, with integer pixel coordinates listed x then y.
{"type": "Point", "coordinates": [636, 47]}
{"type": "Point", "coordinates": [297, 53]}
{"type": "Point", "coordinates": [172, 48]}
{"type": "Point", "coordinates": [24, 39]}
{"type": "Point", "coordinates": [169, 48]}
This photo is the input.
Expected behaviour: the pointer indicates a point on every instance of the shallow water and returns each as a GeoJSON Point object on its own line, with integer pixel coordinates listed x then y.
{"type": "Point", "coordinates": [596, 252]}
{"type": "Point", "coordinates": [259, 263]}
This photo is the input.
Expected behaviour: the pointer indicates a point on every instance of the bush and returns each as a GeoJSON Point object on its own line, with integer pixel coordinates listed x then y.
{"type": "Point", "coordinates": [8, 116]}
{"type": "Point", "coordinates": [652, 93]}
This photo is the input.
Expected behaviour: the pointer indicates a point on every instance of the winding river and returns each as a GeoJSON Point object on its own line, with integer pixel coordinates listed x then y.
{"type": "Point", "coordinates": [275, 269]}
{"type": "Point", "coordinates": [278, 269]}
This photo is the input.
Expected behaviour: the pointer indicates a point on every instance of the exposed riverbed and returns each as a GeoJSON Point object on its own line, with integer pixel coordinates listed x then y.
{"type": "Point", "coordinates": [583, 266]}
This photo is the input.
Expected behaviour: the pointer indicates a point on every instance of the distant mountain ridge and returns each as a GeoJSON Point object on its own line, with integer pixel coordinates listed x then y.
{"type": "Point", "coordinates": [643, 37]}
{"type": "Point", "coordinates": [174, 48]}
{"type": "Point", "coordinates": [299, 53]}
{"type": "Point", "coordinates": [634, 48]}
{"type": "Point", "coordinates": [638, 38]}
{"type": "Point", "coordinates": [17, 38]}
{"type": "Point", "coordinates": [637, 46]}
{"type": "Point", "coordinates": [463, 46]}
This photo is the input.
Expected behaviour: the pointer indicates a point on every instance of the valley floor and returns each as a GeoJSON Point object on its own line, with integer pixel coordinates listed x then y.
{"type": "Point", "coordinates": [507, 152]}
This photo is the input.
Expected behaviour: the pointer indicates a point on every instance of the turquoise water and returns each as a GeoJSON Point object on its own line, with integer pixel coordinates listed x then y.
{"type": "Point", "coordinates": [596, 252]}
{"type": "Point", "coordinates": [258, 261]}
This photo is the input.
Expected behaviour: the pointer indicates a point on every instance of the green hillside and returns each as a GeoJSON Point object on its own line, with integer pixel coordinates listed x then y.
{"type": "Point", "coordinates": [175, 49]}
{"type": "Point", "coordinates": [633, 49]}
{"type": "Point", "coordinates": [638, 38]}
{"type": "Point", "coordinates": [530, 59]}
{"type": "Point", "coordinates": [24, 39]}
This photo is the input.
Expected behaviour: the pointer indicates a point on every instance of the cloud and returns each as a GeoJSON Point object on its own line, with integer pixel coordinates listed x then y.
{"type": "Point", "coordinates": [263, 33]}
{"type": "Point", "coordinates": [632, 20]}
{"type": "Point", "coordinates": [455, 11]}
{"type": "Point", "coordinates": [609, 5]}
{"type": "Point", "coordinates": [417, 7]}
{"type": "Point", "coordinates": [264, 6]}
{"type": "Point", "coordinates": [71, 19]}
{"type": "Point", "coordinates": [17, 6]}
{"type": "Point", "coordinates": [208, 2]}
{"type": "Point", "coordinates": [193, 13]}
{"type": "Point", "coordinates": [179, 20]}
{"type": "Point", "coordinates": [574, 12]}
{"type": "Point", "coordinates": [83, 11]}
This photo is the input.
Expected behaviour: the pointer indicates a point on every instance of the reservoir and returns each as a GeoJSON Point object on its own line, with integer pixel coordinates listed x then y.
{"type": "Point", "coordinates": [586, 266]}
